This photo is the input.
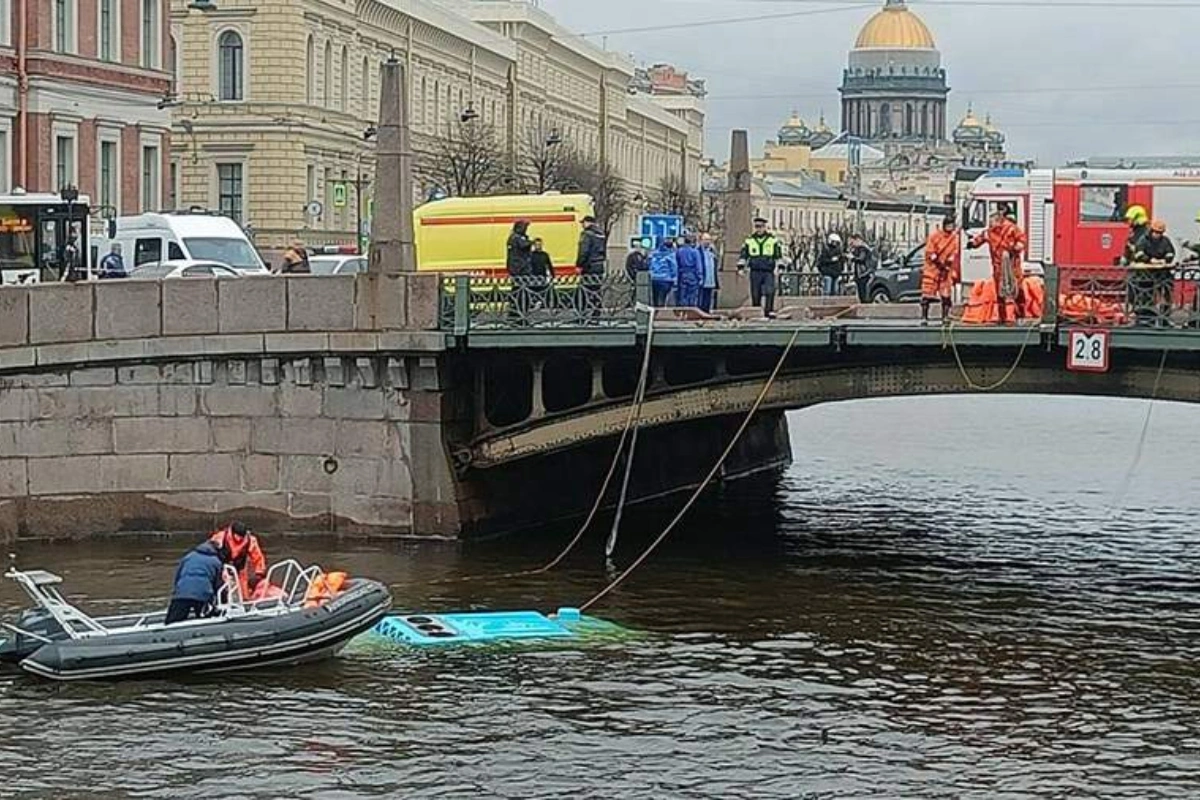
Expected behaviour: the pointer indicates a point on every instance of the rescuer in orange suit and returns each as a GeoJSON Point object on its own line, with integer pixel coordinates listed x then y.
{"type": "Point", "coordinates": [941, 269]}
{"type": "Point", "coordinates": [1006, 241]}
{"type": "Point", "coordinates": [245, 555]}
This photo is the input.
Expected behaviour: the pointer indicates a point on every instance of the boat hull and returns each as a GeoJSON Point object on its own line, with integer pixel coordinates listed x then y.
{"type": "Point", "coordinates": [228, 644]}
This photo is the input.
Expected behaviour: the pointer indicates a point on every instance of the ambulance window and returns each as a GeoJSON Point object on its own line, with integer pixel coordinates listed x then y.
{"type": "Point", "coordinates": [147, 251]}
{"type": "Point", "coordinates": [1103, 204]}
{"type": "Point", "coordinates": [174, 252]}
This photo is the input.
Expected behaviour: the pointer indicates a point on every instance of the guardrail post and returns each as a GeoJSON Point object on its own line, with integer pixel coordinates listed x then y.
{"type": "Point", "coordinates": [1050, 307]}
{"type": "Point", "coordinates": [642, 299]}
{"type": "Point", "coordinates": [462, 305]}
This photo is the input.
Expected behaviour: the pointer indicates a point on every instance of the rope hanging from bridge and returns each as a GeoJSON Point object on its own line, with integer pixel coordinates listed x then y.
{"type": "Point", "coordinates": [1123, 489]}
{"type": "Point", "coordinates": [948, 340]}
{"type": "Point", "coordinates": [762, 396]}
{"type": "Point", "coordinates": [639, 400]}
{"type": "Point", "coordinates": [632, 423]}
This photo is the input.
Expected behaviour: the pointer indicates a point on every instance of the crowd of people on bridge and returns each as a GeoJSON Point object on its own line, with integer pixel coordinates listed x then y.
{"type": "Point", "coordinates": [685, 271]}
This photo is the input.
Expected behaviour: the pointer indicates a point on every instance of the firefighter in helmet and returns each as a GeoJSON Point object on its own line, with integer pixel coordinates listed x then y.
{"type": "Point", "coordinates": [1153, 278]}
{"type": "Point", "coordinates": [1139, 227]}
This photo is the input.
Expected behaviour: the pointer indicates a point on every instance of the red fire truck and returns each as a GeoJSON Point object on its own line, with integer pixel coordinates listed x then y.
{"type": "Point", "coordinates": [1075, 218]}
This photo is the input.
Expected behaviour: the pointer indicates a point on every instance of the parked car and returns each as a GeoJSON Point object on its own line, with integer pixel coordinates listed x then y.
{"type": "Point", "coordinates": [185, 268]}
{"type": "Point", "coordinates": [899, 281]}
{"type": "Point", "coordinates": [337, 265]}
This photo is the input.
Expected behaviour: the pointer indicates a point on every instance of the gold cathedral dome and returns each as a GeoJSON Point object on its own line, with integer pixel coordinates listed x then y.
{"type": "Point", "coordinates": [895, 28]}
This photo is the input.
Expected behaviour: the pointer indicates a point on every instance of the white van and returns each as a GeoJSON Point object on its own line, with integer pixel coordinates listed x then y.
{"type": "Point", "coordinates": [196, 235]}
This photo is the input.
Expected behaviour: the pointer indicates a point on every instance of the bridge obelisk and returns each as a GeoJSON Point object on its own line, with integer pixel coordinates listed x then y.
{"type": "Point", "coordinates": [392, 249]}
{"type": "Point", "coordinates": [739, 208]}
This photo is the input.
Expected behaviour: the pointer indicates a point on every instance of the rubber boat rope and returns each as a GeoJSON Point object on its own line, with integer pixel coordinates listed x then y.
{"type": "Point", "coordinates": [1123, 489]}
{"type": "Point", "coordinates": [948, 339]}
{"type": "Point", "coordinates": [762, 396]}
{"type": "Point", "coordinates": [632, 421]}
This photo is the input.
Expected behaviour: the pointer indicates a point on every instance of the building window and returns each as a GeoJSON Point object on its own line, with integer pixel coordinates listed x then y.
{"type": "Point", "coordinates": [327, 96]}
{"type": "Point", "coordinates": [366, 88]}
{"type": "Point", "coordinates": [64, 161]}
{"type": "Point", "coordinates": [229, 66]}
{"type": "Point", "coordinates": [150, 34]}
{"type": "Point", "coordinates": [345, 77]}
{"type": "Point", "coordinates": [64, 26]}
{"type": "Point", "coordinates": [310, 70]}
{"type": "Point", "coordinates": [110, 36]}
{"type": "Point", "coordinates": [328, 201]}
{"type": "Point", "coordinates": [5, 153]}
{"type": "Point", "coordinates": [150, 177]}
{"type": "Point", "coordinates": [173, 62]}
{"type": "Point", "coordinates": [310, 184]}
{"type": "Point", "coordinates": [229, 191]}
{"type": "Point", "coordinates": [173, 187]}
{"type": "Point", "coordinates": [110, 172]}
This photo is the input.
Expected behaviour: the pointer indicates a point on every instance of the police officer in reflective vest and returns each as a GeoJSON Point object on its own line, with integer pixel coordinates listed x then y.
{"type": "Point", "coordinates": [761, 253]}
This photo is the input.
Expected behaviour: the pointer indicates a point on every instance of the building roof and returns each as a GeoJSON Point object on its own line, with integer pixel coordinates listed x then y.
{"type": "Point", "coordinates": [493, 12]}
{"type": "Point", "coordinates": [841, 151]}
{"type": "Point", "coordinates": [895, 28]}
{"type": "Point", "coordinates": [801, 187]}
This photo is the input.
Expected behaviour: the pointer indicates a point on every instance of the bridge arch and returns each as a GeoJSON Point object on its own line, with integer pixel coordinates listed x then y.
{"type": "Point", "coordinates": [849, 376]}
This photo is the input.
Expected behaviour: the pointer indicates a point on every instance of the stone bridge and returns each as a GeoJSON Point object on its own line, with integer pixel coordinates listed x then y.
{"type": "Point", "coordinates": [354, 405]}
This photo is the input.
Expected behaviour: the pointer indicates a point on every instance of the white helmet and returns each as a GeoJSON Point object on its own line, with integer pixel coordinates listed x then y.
{"type": "Point", "coordinates": [835, 238]}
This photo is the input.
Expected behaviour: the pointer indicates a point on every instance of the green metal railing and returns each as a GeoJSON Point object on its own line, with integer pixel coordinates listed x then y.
{"type": "Point", "coordinates": [565, 301]}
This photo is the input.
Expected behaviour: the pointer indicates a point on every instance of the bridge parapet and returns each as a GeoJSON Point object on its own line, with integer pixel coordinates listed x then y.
{"type": "Point", "coordinates": [57, 323]}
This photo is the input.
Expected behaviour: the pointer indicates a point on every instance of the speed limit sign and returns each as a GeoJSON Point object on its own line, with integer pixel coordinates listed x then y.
{"type": "Point", "coordinates": [1087, 350]}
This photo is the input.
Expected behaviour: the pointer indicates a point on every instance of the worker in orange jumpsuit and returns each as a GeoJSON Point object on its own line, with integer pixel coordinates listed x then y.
{"type": "Point", "coordinates": [245, 554]}
{"type": "Point", "coordinates": [941, 269]}
{"type": "Point", "coordinates": [1007, 242]}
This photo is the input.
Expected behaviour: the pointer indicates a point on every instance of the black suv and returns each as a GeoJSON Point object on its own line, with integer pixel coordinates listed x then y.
{"type": "Point", "coordinates": [898, 281]}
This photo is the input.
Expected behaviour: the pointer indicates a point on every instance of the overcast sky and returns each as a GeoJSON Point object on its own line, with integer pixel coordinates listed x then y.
{"type": "Point", "coordinates": [1061, 82]}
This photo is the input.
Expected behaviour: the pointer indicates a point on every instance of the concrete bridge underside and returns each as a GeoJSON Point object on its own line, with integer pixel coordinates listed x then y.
{"type": "Point", "coordinates": [685, 425]}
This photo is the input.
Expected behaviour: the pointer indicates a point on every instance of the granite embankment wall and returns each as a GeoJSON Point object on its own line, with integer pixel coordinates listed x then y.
{"type": "Point", "coordinates": [300, 403]}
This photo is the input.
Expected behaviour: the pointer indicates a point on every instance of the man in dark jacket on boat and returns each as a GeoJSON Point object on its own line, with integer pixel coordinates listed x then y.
{"type": "Point", "coordinates": [197, 580]}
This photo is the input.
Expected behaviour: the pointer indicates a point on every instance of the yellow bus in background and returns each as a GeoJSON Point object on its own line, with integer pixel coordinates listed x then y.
{"type": "Point", "coordinates": [469, 235]}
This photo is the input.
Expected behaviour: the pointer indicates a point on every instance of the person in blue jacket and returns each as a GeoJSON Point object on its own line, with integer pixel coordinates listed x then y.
{"type": "Point", "coordinates": [691, 273]}
{"type": "Point", "coordinates": [197, 580]}
{"type": "Point", "coordinates": [664, 272]}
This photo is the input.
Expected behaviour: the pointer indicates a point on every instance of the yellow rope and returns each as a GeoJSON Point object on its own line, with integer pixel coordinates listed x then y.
{"type": "Point", "coordinates": [948, 339]}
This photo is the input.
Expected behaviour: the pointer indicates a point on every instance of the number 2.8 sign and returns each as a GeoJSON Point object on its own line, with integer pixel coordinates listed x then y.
{"type": "Point", "coordinates": [1087, 350]}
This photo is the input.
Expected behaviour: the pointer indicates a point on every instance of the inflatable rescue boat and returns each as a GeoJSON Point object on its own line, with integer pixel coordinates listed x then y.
{"type": "Point", "coordinates": [305, 615]}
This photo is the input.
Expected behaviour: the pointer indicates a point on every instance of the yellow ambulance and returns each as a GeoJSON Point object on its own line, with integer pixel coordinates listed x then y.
{"type": "Point", "coordinates": [469, 235]}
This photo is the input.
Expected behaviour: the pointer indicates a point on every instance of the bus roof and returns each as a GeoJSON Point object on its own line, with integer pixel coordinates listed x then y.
{"type": "Point", "coordinates": [39, 198]}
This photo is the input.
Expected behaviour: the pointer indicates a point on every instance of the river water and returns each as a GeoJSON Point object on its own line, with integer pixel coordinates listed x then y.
{"type": "Point", "coordinates": [945, 597]}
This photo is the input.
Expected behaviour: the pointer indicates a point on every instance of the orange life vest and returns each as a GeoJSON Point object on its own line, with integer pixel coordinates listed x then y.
{"type": "Point", "coordinates": [324, 588]}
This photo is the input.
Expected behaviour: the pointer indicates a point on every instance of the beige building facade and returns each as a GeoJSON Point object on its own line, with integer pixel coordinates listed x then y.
{"type": "Point", "coordinates": [275, 103]}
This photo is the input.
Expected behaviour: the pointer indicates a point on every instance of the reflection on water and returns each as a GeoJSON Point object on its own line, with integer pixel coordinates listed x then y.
{"type": "Point", "coordinates": [939, 600]}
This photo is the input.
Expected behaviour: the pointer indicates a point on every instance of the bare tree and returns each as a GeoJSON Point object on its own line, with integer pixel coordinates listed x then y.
{"type": "Point", "coordinates": [543, 158]}
{"type": "Point", "coordinates": [673, 197]}
{"type": "Point", "coordinates": [470, 162]}
{"type": "Point", "coordinates": [581, 172]}
{"type": "Point", "coordinates": [712, 213]}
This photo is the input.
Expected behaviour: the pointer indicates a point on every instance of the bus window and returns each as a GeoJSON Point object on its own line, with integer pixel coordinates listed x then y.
{"type": "Point", "coordinates": [1103, 204]}
{"type": "Point", "coordinates": [147, 251]}
{"type": "Point", "coordinates": [17, 244]}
